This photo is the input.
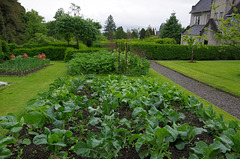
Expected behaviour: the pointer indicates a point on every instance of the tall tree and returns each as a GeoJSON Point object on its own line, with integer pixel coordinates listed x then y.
{"type": "Point", "coordinates": [134, 34]}
{"type": "Point", "coordinates": [60, 12]}
{"type": "Point", "coordinates": [110, 27]}
{"type": "Point", "coordinates": [147, 34]}
{"type": "Point", "coordinates": [35, 24]}
{"type": "Point", "coordinates": [142, 33]}
{"type": "Point", "coordinates": [12, 21]}
{"type": "Point", "coordinates": [229, 30]}
{"type": "Point", "coordinates": [120, 33]}
{"type": "Point", "coordinates": [150, 30]}
{"type": "Point", "coordinates": [83, 30]}
{"type": "Point", "coordinates": [74, 10]}
{"type": "Point", "coordinates": [172, 29]}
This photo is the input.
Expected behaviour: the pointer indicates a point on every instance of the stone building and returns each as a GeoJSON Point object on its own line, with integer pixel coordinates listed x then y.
{"type": "Point", "coordinates": [204, 16]}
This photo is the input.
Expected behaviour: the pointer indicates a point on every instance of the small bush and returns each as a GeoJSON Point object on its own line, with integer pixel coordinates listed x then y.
{"type": "Point", "coordinates": [96, 63]}
{"type": "Point", "coordinates": [71, 51]}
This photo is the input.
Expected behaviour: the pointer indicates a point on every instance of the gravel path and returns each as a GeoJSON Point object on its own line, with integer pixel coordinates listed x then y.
{"type": "Point", "coordinates": [220, 99]}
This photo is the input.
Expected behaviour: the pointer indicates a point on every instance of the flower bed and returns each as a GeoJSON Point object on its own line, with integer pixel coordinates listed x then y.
{"type": "Point", "coordinates": [22, 65]}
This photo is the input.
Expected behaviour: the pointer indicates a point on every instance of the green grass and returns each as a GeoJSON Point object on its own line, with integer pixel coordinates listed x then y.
{"type": "Point", "coordinates": [224, 75]}
{"type": "Point", "coordinates": [14, 98]}
{"type": "Point", "coordinates": [206, 104]}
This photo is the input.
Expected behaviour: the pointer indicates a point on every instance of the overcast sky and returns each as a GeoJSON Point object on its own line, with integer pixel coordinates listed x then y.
{"type": "Point", "coordinates": [127, 13]}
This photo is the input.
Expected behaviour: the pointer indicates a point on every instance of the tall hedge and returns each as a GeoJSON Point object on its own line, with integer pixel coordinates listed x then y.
{"type": "Point", "coordinates": [51, 52]}
{"type": "Point", "coordinates": [182, 52]}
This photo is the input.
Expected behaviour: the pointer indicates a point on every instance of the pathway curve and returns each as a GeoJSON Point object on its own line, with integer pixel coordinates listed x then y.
{"type": "Point", "coordinates": [220, 99]}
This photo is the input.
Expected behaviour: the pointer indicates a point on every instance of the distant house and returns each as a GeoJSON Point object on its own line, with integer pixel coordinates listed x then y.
{"type": "Point", "coordinates": [203, 16]}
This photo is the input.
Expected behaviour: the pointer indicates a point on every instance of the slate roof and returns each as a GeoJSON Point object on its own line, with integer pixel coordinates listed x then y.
{"type": "Point", "coordinates": [202, 6]}
{"type": "Point", "coordinates": [231, 11]}
{"type": "Point", "coordinates": [194, 30]}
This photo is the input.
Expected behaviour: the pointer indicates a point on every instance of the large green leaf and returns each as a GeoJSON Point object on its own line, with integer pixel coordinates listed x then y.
{"type": "Point", "coordinates": [94, 121]}
{"type": "Point", "coordinates": [137, 111]}
{"type": "Point", "coordinates": [7, 140]}
{"type": "Point", "coordinates": [82, 149]}
{"type": "Point", "coordinates": [40, 139]}
{"type": "Point", "coordinates": [160, 135]}
{"type": "Point", "coordinates": [173, 134]}
{"type": "Point", "coordinates": [236, 141]}
{"type": "Point", "coordinates": [5, 153]}
{"type": "Point", "coordinates": [35, 119]}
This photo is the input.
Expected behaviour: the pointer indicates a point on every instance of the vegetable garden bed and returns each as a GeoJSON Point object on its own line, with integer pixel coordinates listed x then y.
{"type": "Point", "coordinates": [118, 117]}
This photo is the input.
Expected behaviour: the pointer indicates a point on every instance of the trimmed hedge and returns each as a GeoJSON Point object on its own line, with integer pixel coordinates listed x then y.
{"type": "Point", "coordinates": [70, 52]}
{"type": "Point", "coordinates": [182, 52]}
{"type": "Point", "coordinates": [56, 44]}
{"type": "Point", "coordinates": [51, 52]}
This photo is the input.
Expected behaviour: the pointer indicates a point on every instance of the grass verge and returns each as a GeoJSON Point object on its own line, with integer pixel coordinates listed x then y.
{"type": "Point", "coordinates": [224, 75]}
{"type": "Point", "coordinates": [23, 88]}
{"type": "Point", "coordinates": [206, 104]}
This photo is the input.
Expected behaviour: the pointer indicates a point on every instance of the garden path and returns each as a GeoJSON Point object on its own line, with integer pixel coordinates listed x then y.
{"type": "Point", "coordinates": [219, 98]}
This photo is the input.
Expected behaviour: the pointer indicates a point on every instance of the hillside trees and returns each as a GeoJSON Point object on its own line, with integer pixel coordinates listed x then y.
{"type": "Point", "coordinates": [172, 29]}
{"type": "Point", "coordinates": [34, 24]}
{"type": "Point", "coordinates": [12, 21]}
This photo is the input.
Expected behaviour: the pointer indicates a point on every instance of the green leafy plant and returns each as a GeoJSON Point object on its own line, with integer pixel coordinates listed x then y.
{"type": "Point", "coordinates": [202, 150]}
{"type": "Point", "coordinates": [11, 123]}
{"type": "Point", "coordinates": [54, 139]}
{"type": "Point", "coordinates": [4, 141]}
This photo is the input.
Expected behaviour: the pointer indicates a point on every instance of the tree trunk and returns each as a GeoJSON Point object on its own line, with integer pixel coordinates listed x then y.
{"type": "Point", "coordinates": [77, 42]}
{"type": "Point", "coordinates": [192, 58]}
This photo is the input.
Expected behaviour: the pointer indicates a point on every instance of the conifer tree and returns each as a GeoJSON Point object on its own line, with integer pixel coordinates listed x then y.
{"type": "Point", "coordinates": [109, 28]}
{"type": "Point", "coordinates": [172, 29]}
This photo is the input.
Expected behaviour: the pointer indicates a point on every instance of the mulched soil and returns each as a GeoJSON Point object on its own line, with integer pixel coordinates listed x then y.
{"type": "Point", "coordinates": [2, 73]}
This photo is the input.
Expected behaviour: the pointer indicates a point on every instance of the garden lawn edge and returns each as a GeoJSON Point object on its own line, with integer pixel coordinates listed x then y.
{"type": "Point", "coordinates": [227, 117]}
{"type": "Point", "coordinates": [23, 88]}
{"type": "Point", "coordinates": [186, 75]}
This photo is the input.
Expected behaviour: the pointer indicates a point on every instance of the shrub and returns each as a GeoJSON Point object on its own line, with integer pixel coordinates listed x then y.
{"type": "Point", "coordinates": [134, 65]}
{"type": "Point", "coordinates": [51, 52]}
{"type": "Point", "coordinates": [97, 62]}
{"type": "Point", "coordinates": [103, 61]}
{"type": "Point", "coordinates": [5, 55]}
{"type": "Point", "coordinates": [71, 51]}
{"type": "Point", "coordinates": [166, 41]}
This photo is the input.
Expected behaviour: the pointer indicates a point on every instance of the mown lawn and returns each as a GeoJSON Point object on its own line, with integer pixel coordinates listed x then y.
{"type": "Point", "coordinates": [14, 98]}
{"type": "Point", "coordinates": [224, 75]}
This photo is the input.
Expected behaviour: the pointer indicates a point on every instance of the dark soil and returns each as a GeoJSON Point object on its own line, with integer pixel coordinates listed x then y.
{"type": "Point", "coordinates": [2, 73]}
